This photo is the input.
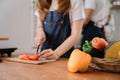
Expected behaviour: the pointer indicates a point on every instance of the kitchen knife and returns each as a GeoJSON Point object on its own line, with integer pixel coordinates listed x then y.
{"type": "Point", "coordinates": [37, 49]}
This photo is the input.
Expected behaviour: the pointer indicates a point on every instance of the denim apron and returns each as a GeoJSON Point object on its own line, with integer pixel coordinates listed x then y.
{"type": "Point", "coordinates": [57, 29]}
{"type": "Point", "coordinates": [91, 31]}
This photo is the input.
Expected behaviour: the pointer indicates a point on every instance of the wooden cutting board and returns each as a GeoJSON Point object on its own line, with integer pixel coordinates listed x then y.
{"type": "Point", "coordinates": [16, 59]}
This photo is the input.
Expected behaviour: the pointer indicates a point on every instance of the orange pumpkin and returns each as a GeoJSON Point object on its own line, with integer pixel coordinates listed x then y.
{"type": "Point", "coordinates": [119, 54]}
{"type": "Point", "coordinates": [99, 43]}
{"type": "Point", "coordinates": [78, 61]}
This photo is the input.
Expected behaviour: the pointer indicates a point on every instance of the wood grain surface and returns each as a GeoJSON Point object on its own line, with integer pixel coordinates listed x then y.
{"type": "Point", "coordinates": [16, 59]}
{"type": "Point", "coordinates": [4, 38]}
{"type": "Point", "coordinates": [56, 70]}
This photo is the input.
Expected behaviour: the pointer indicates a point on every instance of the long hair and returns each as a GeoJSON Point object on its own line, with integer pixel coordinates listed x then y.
{"type": "Point", "coordinates": [44, 5]}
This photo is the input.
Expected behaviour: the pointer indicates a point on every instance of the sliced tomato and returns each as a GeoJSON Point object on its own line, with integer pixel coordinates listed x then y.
{"type": "Point", "coordinates": [29, 57]}
{"type": "Point", "coordinates": [23, 56]}
{"type": "Point", "coordinates": [33, 57]}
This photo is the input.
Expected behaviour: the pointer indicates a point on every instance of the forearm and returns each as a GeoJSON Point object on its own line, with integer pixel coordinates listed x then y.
{"type": "Point", "coordinates": [71, 40]}
{"type": "Point", "coordinates": [66, 45]}
{"type": "Point", "coordinates": [86, 21]}
{"type": "Point", "coordinates": [39, 29]}
{"type": "Point", "coordinates": [39, 26]}
{"type": "Point", "coordinates": [88, 13]}
{"type": "Point", "coordinates": [40, 35]}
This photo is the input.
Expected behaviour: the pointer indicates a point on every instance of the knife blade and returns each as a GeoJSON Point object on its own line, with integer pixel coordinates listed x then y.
{"type": "Point", "coordinates": [37, 49]}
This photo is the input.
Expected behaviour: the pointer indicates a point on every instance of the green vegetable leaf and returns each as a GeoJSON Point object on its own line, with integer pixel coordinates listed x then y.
{"type": "Point", "coordinates": [87, 47]}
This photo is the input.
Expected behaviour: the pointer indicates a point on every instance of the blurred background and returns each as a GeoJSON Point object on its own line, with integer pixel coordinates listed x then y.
{"type": "Point", "coordinates": [18, 22]}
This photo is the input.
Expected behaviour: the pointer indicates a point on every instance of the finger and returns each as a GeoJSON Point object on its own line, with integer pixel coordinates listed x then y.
{"type": "Point", "coordinates": [42, 41]}
{"type": "Point", "coordinates": [41, 54]}
{"type": "Point", "coordinates": [38, 41]}
{"type": "Point", "coordinates": [46, 53]}
{"type": "Point", "coordinates": [52, 56]}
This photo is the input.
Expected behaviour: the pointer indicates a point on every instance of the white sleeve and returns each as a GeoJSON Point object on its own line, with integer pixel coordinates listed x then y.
{"type": "Point", "coordinates": [36, 13]}
{"type": "Point", "coordinates": [77, 10]}
{"type": "Point", "coordinates": [90, 4]}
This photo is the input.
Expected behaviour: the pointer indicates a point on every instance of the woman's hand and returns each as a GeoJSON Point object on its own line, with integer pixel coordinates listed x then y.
{"type": "Point", "coordinates": [49, 54]}
{"type": "Point", "coordinates": [40, 38]}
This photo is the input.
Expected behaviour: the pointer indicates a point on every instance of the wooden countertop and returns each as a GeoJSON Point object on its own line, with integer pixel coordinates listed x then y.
{"type": "Point", "coordinates": [49, 71]}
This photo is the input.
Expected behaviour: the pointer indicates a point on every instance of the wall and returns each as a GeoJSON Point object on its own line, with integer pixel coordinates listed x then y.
{"type": "Point", "coordinates": [16, 22]}
{"type": "Point", "coordinates": [113, 30]}
{"type": "Point", "coordinates": [116, 15]}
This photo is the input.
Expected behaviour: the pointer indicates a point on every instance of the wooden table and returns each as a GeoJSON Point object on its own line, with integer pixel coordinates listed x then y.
{"type": "Point", "coordinates": [49, 71]}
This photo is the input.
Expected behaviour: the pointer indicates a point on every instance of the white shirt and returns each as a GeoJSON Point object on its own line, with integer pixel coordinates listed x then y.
{"type": "Point", "coordinates": [101, 10]}
{"type": "Point", "coordinates": [76, 12]}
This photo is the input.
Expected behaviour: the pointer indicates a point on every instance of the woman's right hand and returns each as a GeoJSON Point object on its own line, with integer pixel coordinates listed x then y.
{"type": "Point", "coordinates": [40, 38]}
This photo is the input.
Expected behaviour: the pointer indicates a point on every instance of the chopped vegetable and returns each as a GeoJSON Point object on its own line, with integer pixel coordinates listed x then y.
{"type": "Point", "coordinates": [29, 57]}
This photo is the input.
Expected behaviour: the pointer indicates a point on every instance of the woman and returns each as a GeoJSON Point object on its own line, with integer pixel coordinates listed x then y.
{"type": "Point", "coordinates": [97, 13]}
{"type": "Point", "coordinates": [58, 26]}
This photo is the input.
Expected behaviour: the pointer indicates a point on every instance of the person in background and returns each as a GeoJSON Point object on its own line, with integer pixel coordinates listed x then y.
{"type": "Point", "coordinates": [0, 58]}
{"type": "Point", "coordinates": [59, 26]}
{"type": "Point", "coordinates": [97, 13]}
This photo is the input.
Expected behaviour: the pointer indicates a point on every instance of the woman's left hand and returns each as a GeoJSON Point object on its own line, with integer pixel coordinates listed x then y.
{"type": "Point", "coordinates": [49, 54]}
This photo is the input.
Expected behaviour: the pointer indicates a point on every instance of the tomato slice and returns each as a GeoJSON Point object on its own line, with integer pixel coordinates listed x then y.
{"type": "Point", "coordinates": [33, 57]}
{"type": "Point", "coordinates": [29, 57]}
